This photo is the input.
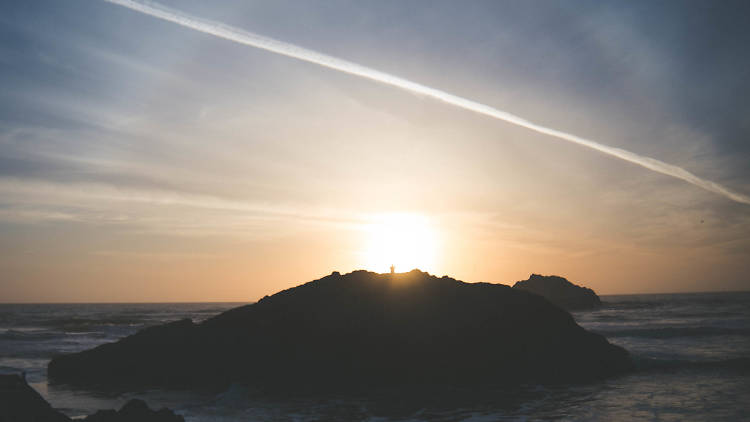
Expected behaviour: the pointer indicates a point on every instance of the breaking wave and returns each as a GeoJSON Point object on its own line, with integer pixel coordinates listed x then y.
{"type": "Point", "coordinates": [673, 332]}
{"type": "Point", "coordinates": [740, 364]}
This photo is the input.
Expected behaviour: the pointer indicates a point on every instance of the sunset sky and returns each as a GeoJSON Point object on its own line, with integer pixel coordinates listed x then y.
{"type": "Point", "coordinates": [141, 160]}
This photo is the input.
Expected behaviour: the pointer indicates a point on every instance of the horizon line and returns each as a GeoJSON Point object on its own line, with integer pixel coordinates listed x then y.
{"type": "Point", "coordinates": [187, 302]}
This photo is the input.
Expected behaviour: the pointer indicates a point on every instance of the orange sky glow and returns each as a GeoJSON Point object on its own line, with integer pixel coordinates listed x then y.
{"type": "Point", "coordinates": [143, 161]}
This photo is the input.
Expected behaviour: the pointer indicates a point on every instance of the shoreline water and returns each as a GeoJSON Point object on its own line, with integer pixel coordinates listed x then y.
{"type": "Point", "coordinates": [692, 349]}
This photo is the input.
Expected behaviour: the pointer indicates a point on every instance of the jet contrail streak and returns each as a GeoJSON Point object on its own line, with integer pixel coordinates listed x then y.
{"type": "Point", "coordinates": [291, 50]}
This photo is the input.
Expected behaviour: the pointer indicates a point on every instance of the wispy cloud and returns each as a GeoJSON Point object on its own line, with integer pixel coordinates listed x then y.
{"type": "Point", "coordinates": [34, 201]}
{"type": "Point", "coordinates": [294, 51]}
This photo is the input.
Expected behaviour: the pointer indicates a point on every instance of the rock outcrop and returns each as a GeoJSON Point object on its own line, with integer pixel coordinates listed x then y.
{"type": "Point", "coordinates": [360, 330]}
{"type": "Point", "coordinates": [560, 291]}
{"type": "Point", "coordinates": [21, 403]}
{"type": "Point", "coordinates": [135, 411]}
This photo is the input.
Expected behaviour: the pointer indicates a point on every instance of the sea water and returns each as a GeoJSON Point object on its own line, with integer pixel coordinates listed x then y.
{"type": "Point", "coordinates": [692, 352]}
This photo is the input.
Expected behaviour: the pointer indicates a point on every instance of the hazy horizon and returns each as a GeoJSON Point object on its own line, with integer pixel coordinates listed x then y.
{"type": "Point", "coordinates": [604, 295]}
{"type": "Point", "coordinates": [241, 302]}
{"type": "Point", "coordinates": [142, 161]}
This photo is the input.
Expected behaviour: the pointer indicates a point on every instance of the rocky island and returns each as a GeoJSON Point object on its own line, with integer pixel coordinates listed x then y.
{"type": "Point", "coordinates": [361, 330]}
{"type": "Point", "coordinates": [560, 291]}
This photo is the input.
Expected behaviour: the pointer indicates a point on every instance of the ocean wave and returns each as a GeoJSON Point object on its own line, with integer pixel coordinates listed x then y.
{"type": "Point", "coordinates": [609, 317]}
{"type": "Point", "coordinates": [5, 369]}
{"type": "Point", "coordinates": [633, 305]}
{"type": "Point", "coordinates": [30, 335]}
{"type": "Point", "coordinates": [673, 332]}
{"type": "Point", "coordinates": [86, 324]}
{"type": "Point", "coordinates": [740, 364]}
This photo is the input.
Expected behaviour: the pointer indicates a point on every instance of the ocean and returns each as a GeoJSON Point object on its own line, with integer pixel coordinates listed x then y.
{"type": "Point", "coordinates": [692, 352]}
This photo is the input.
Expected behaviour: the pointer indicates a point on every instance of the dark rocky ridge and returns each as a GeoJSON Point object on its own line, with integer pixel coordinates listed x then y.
{"type": "Point", "coordinates": [359, 330]}
{"type": "Point", "coordinates": [21, 403]}
{"type": "Point", "coordinates": [135, 411]}
{"type": "Point", "coordinates": [560, 291]}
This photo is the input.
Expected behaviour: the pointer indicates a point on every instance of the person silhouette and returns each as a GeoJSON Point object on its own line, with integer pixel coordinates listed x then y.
{"type": "Point", "coordinates": [393, 269]}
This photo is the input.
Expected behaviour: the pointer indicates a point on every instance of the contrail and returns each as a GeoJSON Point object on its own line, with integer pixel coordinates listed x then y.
{"type": "Point", "coordinates": [254, 40]}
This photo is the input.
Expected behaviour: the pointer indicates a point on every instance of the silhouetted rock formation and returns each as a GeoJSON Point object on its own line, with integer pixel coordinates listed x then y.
{"type": "Point", "coordinates": [359, 330]}
{"type": "Point", "coordinates": [21, 403]}
{"type": "Point", "coordinates": [560, 291]}
{"type": "Point", "coordinates": [135, 411]}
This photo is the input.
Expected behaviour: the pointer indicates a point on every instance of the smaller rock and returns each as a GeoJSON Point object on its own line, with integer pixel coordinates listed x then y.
{"type": "Point", "coordinates": [21, 403]}
{"type": "Point", "coordinates": [135, 411]}
{"type": "Point", "coordinates": [560, 291]}
{"type": "Point", "coordinates": [109, 415]}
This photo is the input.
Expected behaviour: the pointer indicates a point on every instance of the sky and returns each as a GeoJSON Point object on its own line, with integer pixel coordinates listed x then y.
{"type": "Point", "coordinates": [145, 161]}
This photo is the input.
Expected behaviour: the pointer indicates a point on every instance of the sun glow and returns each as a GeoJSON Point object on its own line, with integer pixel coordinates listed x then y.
{"type": "Point", "coordinates": [406, 241]}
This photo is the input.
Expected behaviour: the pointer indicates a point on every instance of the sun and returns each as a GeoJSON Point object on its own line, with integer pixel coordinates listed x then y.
{"type": "Point", "coordinates": [404, 240]}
